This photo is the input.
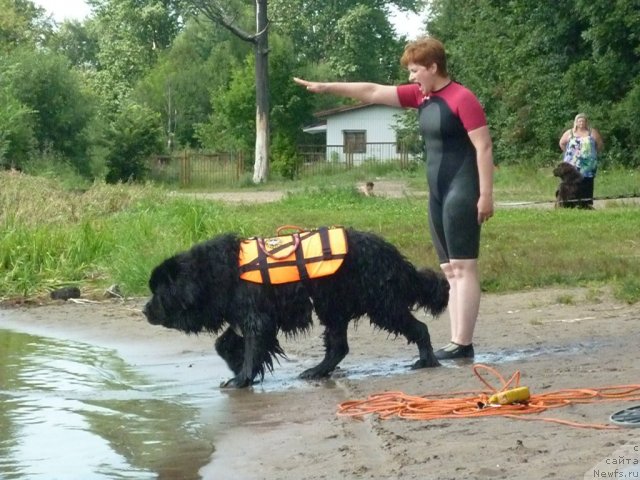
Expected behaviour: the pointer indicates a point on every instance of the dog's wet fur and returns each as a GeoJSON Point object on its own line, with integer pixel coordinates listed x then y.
{"type": "Point", "coordinates": [200, 290]}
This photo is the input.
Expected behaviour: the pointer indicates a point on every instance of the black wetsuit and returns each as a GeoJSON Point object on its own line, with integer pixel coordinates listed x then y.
{"type": "Point", "coordinates": [446, 116]}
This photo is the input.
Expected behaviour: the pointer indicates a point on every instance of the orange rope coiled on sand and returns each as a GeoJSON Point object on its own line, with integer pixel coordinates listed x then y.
{"type": "Point", "coordinates": [472, 404]}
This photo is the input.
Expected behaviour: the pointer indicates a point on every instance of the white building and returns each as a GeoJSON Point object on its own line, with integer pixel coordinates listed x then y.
{"type": "Point", "coordinates": [355, 133]}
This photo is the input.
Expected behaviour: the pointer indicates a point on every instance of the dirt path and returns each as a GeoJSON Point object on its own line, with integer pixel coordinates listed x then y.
{"type": "Point", "coordinates": [382, 188]}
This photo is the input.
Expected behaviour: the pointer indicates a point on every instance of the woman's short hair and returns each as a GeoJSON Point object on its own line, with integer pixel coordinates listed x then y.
{"type": "Point", "coordinates": [426, 51]}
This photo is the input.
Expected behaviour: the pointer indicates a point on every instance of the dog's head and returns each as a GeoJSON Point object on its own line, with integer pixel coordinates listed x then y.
{"type": "Point", "coordinates": [173, 302]}
{"type": "Point", "coordinates": [567, 172]}
{"type": "Point", "coordinates": [190, 291]}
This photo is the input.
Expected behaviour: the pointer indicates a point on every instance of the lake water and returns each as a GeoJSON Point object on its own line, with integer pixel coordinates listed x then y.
{"type": "Point", "coordinates": [74, 411]}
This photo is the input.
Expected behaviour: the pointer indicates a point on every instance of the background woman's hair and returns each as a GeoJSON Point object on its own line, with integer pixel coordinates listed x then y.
{"type": "Point", "coordinates": [578, 117]}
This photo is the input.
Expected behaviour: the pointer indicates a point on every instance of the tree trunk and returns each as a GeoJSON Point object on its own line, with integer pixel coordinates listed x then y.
{"type": "Point", "coordinates": [216, 12]}
{"type": "Point", "coordinates": [261, 46]}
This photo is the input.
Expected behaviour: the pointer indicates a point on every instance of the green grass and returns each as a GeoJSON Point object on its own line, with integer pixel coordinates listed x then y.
{"type": "Point", "coordinates": [52, 235]}
{"type": "Point", "coordinates": [512, 183]}
{"type": "Point", "coordinates": [515, 183]}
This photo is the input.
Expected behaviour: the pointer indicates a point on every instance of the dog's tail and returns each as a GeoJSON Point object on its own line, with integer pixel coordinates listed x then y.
{"type": "Point", "coordinates": [431, 291]}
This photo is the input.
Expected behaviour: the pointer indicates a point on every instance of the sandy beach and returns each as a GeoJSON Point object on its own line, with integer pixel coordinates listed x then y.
{"type": "Point", "coordinates": [286, 428]}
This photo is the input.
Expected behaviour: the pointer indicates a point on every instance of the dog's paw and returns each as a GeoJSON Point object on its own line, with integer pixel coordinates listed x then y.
{"type": "Point", "coordinates": [236, 382]}
{"type": "Point", "coordinates": [426, 363]}
{"type": "Point", "coordinates": [227, 383]}
{"type": "Point", "coordinates": [314, 374]}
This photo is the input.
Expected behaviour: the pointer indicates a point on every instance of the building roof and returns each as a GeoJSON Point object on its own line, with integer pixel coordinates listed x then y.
{"type": "Point", "coordinates": [341, 109]}
{"type": "Point", "coordinates": [321, 125]}
{"type": "Point", "coordinates": [316, 128]}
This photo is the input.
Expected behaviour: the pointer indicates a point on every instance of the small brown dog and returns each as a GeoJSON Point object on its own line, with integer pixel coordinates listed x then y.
{"type": "Point", "coordinates": [366, 189]}
{"type": "Point", "coordinates": [569, 192]}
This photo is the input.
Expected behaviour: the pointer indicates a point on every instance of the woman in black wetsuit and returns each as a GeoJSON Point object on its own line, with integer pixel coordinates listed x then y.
{"type": "Point", "coordinates": [459, 172]}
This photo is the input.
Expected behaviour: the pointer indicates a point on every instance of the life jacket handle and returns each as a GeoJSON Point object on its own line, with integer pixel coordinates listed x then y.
{"type": "Point", "coordinates": [289, 227]}
{"type": "Point", "coordinates": [284, 253]}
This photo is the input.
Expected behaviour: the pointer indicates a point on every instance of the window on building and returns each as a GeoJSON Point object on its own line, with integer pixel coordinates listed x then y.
{"type": "Point", "coordinates": [355, 141]}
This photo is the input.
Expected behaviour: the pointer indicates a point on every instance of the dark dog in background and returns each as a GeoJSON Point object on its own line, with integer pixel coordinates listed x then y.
{"type": "Point", "coordinates": [569, 192]}
{"type": "Point", "coordinates": [200, 290]}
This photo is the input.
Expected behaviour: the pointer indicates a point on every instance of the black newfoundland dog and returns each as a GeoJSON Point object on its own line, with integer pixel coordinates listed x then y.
{"type": "Point", "coordinates": [200, 290]}
{"type": "Point", "coordinates": [569, 192]}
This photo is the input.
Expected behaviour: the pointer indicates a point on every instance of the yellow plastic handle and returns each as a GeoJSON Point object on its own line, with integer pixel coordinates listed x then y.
{"type": "Point", "coordinates": [515, 395]}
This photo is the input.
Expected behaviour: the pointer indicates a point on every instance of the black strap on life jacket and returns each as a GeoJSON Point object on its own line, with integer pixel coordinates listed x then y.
{"type": "Point", "coordinates": [263, 266]}
{"type": "Point", "coordinates": [300, 264]}
{"type": "Point", "coordinates": [324, 241]}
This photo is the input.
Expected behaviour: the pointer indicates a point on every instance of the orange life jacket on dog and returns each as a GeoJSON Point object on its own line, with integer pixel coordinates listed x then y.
{"type": "Point", "coordinates": [291, 258]}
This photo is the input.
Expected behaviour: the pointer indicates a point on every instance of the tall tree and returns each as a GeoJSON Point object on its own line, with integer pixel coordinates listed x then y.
{"type": "Point", "coordinates": [312, 24]}
{"type": "Point", "coordinates": [17, 137]}
{"type": "Point", "coordinates": [78, 41]}
{"type": "Point", "coordinates": [201, 59]}
{"type": "Point", "coordinates": [22, 23]}
{"type": "Point", "coordinates": [549, 61]}
{"type": "Point", "coordinates": [350, 40]}
{"type": "Point", "coordinates": [62, 109]}
{"type": "Point", "coordinates": [222, 13]}
{"type": "Point", "coordinates": [131, 34]}
{"type": "Point", "coordinates": [231, 125]}
{"type": "Point", "coordinates": [357, 56]}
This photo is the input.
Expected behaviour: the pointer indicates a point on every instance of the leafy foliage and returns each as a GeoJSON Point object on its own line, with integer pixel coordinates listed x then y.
{"type": "Point", "coordinates": [232, 123]}
{"type": "Point", "coordinates": [373, 57]}
{"type": "Point", "coordinates": [408, 132]}
{"type": "Point", "coordinates": [130, 36]}
{"type": "Point", "coordinates": [22, 24]}
{"type": "Point", "coordinates": [134, 134]}
{"type": "Point", "coordinates": [62, 110]}
{"type": "Point", "coordinates": [548, 61]}
{"type": "Point", "coordinates": [533, 65]}
{"type": "Point", "coordinates": [16, 130]}
{"type": "Point", "coordinates": [179, 85]}
{"type": "Point", "coordinates": [284, 158]}
{"type": "Point", "coordinates": [313, 27]}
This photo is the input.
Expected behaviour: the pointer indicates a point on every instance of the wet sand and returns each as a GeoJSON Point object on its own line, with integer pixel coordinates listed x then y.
{"type": "Point", "coordinates": [286, 428]}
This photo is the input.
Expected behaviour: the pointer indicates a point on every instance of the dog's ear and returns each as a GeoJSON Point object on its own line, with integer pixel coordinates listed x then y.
{"type": "Point", "coordinates": [165, 273]}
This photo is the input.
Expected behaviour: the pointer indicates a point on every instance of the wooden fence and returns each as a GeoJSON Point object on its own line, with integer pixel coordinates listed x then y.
{"type": "Point", "coordinates": [371, 154]}
{"type": "Point", "coordinates": [197, 169]}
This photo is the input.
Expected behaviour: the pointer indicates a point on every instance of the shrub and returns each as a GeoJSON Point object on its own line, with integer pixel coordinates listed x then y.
{"type": "Point", "coordinates": [284, 157]}
{"type": "Point", "coordinates": [133, 135]}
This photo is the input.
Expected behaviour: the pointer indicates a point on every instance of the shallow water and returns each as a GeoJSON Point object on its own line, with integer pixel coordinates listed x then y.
{"type": "Point", "coordinates": [71, 410]}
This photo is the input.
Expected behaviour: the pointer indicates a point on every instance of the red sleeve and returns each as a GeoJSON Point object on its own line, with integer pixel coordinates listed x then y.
{"type": "Point", "coordinates": [410, 95]}
{"type": "Point", "coordinates": [471, 112]}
